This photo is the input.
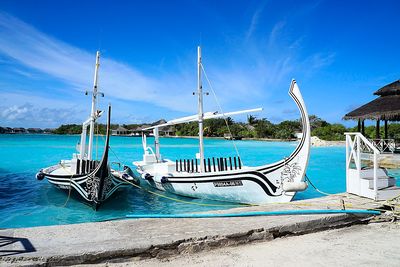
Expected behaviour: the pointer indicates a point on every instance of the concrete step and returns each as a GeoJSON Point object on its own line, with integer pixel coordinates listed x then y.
{"type": "Point", "coordinates": [383, 182]}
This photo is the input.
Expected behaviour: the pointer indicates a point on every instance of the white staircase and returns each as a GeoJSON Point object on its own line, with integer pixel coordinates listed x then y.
{"type": "Point", "coordinates": [364, 177]}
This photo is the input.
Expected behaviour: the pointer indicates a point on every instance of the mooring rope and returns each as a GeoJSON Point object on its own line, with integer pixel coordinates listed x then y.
{"type": "Point", "coordinates": [316, 189]}
{"type": "Point", "coordinates": [70, 182]}
{"type": "Point", "coordinates": [183, 201]}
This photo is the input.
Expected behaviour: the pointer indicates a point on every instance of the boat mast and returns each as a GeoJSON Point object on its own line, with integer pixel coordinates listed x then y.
{"type": "Point", "coordinates": [200, 113]}
{"type": "Point", "coordinates": [94, 111]}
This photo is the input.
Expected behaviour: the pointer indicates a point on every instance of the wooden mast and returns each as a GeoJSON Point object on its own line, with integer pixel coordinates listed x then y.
{"type": "Point", "coordinates": [200, 106]}
{"type": "Point", "coordinates": [93, 113]}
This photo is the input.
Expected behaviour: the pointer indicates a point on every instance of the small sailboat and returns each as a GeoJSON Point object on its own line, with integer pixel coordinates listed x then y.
{"type": "Point", "coordinates": [94, 180]}
{"type": "Point", "coordinates": [225, 178]}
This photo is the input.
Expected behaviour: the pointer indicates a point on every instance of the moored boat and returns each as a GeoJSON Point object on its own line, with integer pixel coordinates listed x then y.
{"type": "Point", "coordinates": [225, 178]}
{"type": "Point", "coordinates": [92, 179]}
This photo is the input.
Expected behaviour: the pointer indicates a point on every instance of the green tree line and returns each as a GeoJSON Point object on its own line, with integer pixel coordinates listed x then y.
{"type": "Point", "coordinates": [253, 128]}
{"type": "Point", "coordinates": [77, 129]}
{"type": "Point", "coordinates": [263, 128]}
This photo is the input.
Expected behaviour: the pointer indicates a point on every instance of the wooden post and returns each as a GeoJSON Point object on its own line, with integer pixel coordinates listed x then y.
{"type": "Point", "coordinates": [359, 126]}
{"type": "Point", "coordinates": [377, 134]}
{"type": "Point", "coordinates": [386, 130]}
{"type": "Point", "coordinates": [362, 128]}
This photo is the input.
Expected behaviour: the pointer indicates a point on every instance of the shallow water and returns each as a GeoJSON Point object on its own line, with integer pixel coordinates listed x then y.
{"type": "Point", "coordinates": [24, 201]}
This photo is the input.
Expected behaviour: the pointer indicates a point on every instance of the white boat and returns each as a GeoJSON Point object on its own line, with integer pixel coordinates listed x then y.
{"type": "Point", "coordinates": [225, 178]}
{"type": "Point", "coordinates": [94, 180]}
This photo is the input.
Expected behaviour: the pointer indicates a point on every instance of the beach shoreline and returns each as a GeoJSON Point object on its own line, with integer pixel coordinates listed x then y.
{"type": "Point", "coordinates": [315, 141]}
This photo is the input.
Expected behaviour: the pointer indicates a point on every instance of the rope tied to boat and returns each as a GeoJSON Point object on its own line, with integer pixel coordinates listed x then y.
{"type": "Point", "coordinates": [183, 201]}
{"type": "Point", "coordinates": [316, 189]}
{"type": "Point", "coordinates": [70, 186]}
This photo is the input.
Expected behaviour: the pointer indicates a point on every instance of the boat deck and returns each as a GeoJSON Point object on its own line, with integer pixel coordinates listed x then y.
{"type": "Point", "coordinates": [99, 242]}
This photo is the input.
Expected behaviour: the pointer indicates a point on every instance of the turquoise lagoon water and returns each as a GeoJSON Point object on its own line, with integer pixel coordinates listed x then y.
{"type": "Point", "coordinates": [25, 202]}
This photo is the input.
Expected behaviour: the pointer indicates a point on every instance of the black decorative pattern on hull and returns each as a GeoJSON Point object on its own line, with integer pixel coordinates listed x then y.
{"type": "Point", "coordinates": [255, 177]}
{"type": "Point", "coordinates": [94, 187]}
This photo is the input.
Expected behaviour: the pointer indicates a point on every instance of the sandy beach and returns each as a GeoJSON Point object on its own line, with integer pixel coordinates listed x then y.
{"type": "Point", "coordinates": [359, 245]}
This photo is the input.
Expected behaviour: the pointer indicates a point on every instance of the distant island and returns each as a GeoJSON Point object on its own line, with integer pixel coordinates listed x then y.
{"type": "Point", "coordinates": [252, 128]}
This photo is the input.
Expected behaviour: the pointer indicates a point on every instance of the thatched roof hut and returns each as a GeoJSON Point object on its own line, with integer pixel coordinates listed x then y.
{"type": "Point", "coordinates": [386, 107]}
{"type": "Point", "coordinates": [390, 89]}
{"type": "Point", "coordinates": [120, 131]}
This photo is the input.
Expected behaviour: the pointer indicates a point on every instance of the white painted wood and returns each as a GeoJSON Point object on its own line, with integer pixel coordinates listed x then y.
{"type": "Point", "coordinates": [200, 109]}
{"type": "Point", "coordinates": [93, 113]}
{"type": "Point", "coordinates": [157, 143]}
{"type": "Point", "coordinates": [365, 182]}
{"type": "Point", "coordinates": [207, 116]}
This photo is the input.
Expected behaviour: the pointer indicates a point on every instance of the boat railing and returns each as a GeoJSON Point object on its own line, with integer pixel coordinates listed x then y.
{"type": "Point", "coordinates": [210, 164]}
{"type": "Point", "coordinates": [85, 166]}
{"type": "Point", "coordinates": [356, 145]}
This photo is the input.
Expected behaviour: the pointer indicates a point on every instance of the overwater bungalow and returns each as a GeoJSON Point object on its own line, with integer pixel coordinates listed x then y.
{"type": "Point", "coordinates": [140, 130]}
{"type": "Point", "coordinates": [164, 131]}
{"type": "Point", "coordinates": [121, 131]}
{"type": "Point", "coordinates": [384, 108]}
{"type": "Point", "coordinates": [19, 130]}
{"type": "Point", "coordinates": [34, 130]}
{"type": "Point", "coordinates": [6, 130]}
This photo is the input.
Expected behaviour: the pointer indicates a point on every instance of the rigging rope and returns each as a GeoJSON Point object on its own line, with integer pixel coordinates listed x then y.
{"type": "Point", "coordinates": [220, 108]}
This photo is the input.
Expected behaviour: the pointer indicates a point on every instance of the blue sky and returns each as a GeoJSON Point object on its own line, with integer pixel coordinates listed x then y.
{"type": "Point", "coordinates": [340, 52]}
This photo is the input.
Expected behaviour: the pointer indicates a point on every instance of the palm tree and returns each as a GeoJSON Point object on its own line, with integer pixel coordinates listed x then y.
{"type": "Point", "coordinates": [229, 120]}
{"type": "Point", "coordinates": [251, 120]}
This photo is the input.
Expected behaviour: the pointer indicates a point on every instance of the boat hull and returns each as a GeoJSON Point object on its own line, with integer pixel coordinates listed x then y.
{"type": "Point", "coordinates": [271, 183]}
{"type": "Point", "coordinates": [93, 180]}
{"type": "Point", "coordinates": [87, 185]}
{"type": "Point", "coordinates": [248, 185]}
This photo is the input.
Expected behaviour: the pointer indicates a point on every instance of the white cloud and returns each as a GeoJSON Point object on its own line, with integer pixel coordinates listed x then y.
{"type": "Point", "coordinates": [32, 48]}
{"type": "Point", "coordinates": [75, 66]}
{"type": "Point", "coordinates": [14, 112]}
{"type": "Point", "coordinates": [27, 115]}
{"type": "Point", "coordinates": [256, 70]}
{"type": "Point", "coordinates": [254, 21]}
{"type": "Point", "coordinates": [26, 110]}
